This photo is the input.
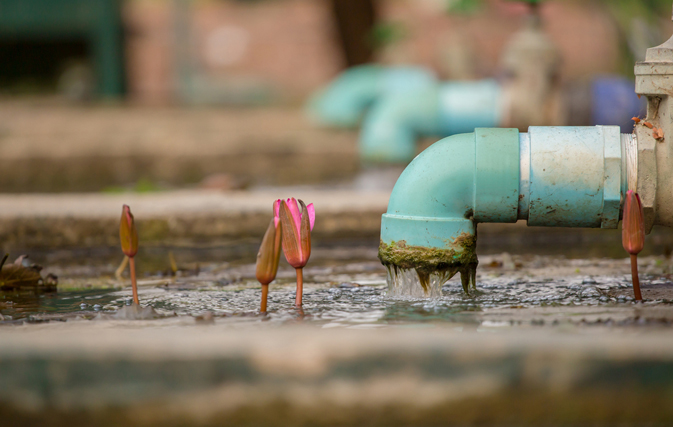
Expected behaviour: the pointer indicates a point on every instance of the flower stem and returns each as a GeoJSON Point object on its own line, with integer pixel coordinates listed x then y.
{"type": "Point", "coordinates": [300, 286]}
{"type": "Point", "coordinates": [634, 277]}
{"type": "Point", "coordinates": [134, 284]}
{"type": "Point", "coordinates": [265, 293]}
{"type": "Point", "coordinates": [121, 268]}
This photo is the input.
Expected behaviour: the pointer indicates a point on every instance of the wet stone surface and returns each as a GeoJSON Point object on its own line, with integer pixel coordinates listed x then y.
{"type": "Point", "coordinates": [342, 290]}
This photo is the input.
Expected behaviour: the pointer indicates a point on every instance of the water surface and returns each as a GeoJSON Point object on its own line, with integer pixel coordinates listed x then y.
{"type": "Point", "coordinates": [346, 287]}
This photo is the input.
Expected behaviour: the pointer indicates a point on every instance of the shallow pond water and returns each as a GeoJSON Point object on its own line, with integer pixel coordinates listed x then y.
{"type": "Point", "coordinates": [342, 290]}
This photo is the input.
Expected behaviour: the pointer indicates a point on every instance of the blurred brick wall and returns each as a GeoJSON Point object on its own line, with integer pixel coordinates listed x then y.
{"type": "Point", "coordinates": [149, 48]}
{"type": "Point", "coordinates": [290, 44]}
{"type": "Point", "coordinates": [287, 43]}
{"type": "Point", "coordinates": [583, 32]}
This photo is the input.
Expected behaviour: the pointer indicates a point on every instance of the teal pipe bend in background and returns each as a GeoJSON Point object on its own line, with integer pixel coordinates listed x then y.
{"type": "Point", "coordinates": [394, 123]}
{"type": "Point", "coordinates": [551, 176]}
{"type": "Point", "coordinates": [345, 100]}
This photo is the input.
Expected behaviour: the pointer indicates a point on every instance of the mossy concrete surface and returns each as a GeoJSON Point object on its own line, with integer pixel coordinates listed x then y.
{"type": "Point", "coordinates": [134, 373]}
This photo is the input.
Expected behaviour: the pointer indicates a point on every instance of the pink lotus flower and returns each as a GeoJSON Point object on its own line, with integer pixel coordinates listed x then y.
{"type": "Point", "coordinates": [297, 225]}
{"type": "Point", "coordinates": [633, 235]}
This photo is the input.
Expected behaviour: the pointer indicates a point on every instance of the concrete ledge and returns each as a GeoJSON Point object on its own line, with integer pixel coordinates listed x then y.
{"type": "Point", "coordinates": [199, 216]}
{"type": "Point", "coordinates": [58, 147]}
{"type": "Point", "coordinates": [61, 220]}
{"type": "Point", "coordinates": [111, 374]}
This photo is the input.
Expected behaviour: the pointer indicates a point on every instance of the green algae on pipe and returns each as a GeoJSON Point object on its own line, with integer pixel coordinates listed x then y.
{"type": "Point", "coordinates": [428, 261]}
{"type": "Point", "coordinates": [400, 255]}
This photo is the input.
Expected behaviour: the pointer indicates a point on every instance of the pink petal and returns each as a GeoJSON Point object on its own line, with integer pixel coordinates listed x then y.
{"type": "Point", "coordinates": [276, 213]}
{"type": "Point", "coordinates": [290, 238]}
{"type": "Point", "coordinates": [129, 216]}
{"type": "Point", "coordinates": [296, 213]}
{"type": "Point", "coordinates": [311, 214]}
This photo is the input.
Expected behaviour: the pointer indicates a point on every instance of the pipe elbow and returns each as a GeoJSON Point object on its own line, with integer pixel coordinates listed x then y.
{"type": "Point", "coordinates": [344, 102]}
{"type": "Point", "coordinates": [450, 187]}
{"type": "Point", "coordinates": [438, 182]}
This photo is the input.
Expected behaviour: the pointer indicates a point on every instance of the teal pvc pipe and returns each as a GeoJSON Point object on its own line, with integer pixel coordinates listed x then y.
{"type": "Point", "coordinates": [345, 100]}
{"type": "Point", "coordinates": [394, 123]}
{"type": "Point", "coordinates": [551, 176]}
{"type": "Point", "coordinates": [455, 183]}
{"type": "Point", "coordinates": [575, 176]}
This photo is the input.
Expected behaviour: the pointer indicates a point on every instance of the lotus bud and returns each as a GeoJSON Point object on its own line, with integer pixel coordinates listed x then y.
{"type": "Point", "coordinates": [128, 235]}
{"type": "Point", "coordinates": [633, 236]}
{"type": "Point", "coordinates": [269, 254]}
{"type": "Point", "coordinates": [297, 225]}
{"type": "Point", "coordinates": [633, 224]}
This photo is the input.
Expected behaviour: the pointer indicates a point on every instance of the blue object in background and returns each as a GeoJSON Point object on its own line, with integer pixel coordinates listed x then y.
{"type": "Point", "coordinates": [614, 102]}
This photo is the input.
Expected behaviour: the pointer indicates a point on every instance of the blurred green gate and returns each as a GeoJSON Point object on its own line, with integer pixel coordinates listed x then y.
{"type": "Point", "coordinates": [97, 23]}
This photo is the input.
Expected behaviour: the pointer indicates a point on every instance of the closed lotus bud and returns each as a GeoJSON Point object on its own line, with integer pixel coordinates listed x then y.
{"type": "Point", "coordinates": [269, 254]}
{"type": "Point", "coordinates": [633, 224]}
{"type": "Point", "coordinates": [128, 235]}
{"type": "Point", "coordinates": [297, 225]}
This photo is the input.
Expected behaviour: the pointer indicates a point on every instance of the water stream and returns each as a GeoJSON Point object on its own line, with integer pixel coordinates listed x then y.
{"type": "Point", "coordinates": [415, 283]}
{"type": "Point", "coordinates": [409, 283]}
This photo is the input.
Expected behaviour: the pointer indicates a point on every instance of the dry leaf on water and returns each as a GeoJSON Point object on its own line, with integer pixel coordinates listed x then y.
{"type": "Point", "coordinates": [22, 274]}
